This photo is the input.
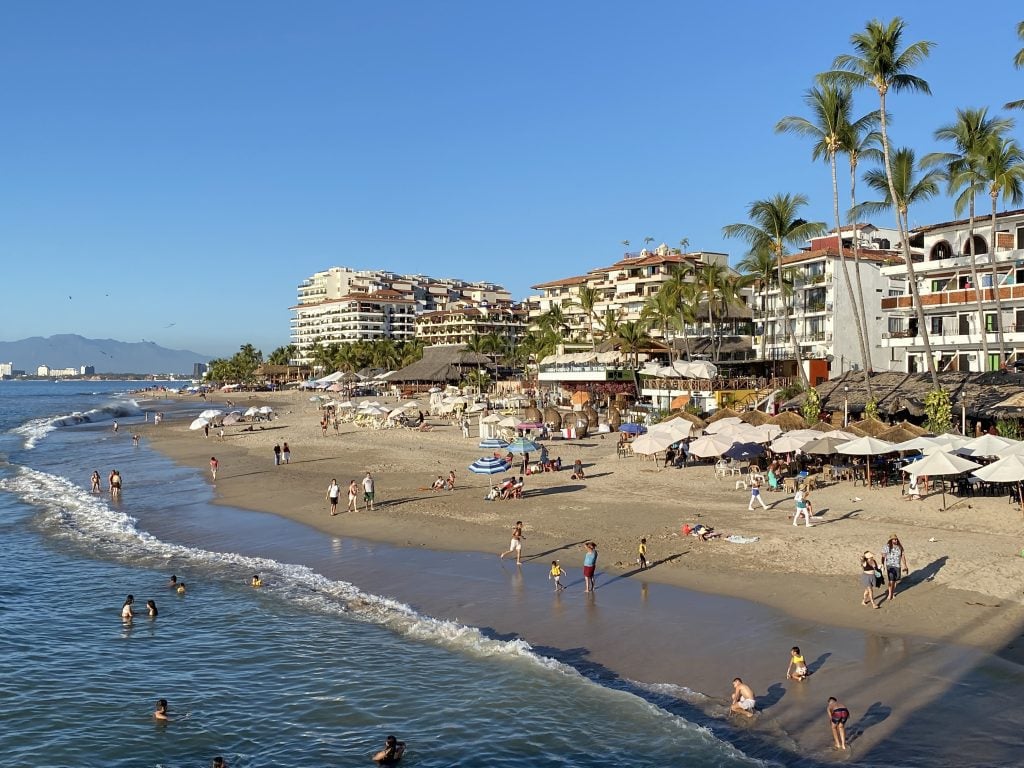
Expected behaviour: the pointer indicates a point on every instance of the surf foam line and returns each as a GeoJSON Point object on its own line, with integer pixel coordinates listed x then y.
{"type": "Point", "coordinates": [87, 519]}
{"type": "Point", "coordinates": [35, 430]}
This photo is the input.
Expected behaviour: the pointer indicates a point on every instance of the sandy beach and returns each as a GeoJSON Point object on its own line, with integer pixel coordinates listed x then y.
{"type": "Point", "coordinates": [965, 569]}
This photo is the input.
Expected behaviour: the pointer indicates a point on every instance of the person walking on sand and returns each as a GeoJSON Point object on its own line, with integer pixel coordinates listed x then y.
{"type": "Point", "coordinates": [870, 577]}
{"type": "Point", "coordinates": [895, 559]}
{"type": "Point", "coordinates": [368, 492]}
{"type": "Point", "coordinates": [287, 453]}
{"type": "Point", "coordinates": [803, 507]}
{"type": "Point", "coordinates": [837, 717]}
{"type": "Point", "coordinates": [589, 566]}
{"type": "Point", "coordinates": [755, 493]}
{"type": "Point", "coordinates": [277, 454]}
{"type": "Point", "coordinates": [743, 701]}
{"type": "Point", "coordinates": [556, 574]}
{"type": "Point", "coordinates": [353, 493]}
{"type": "Point", "coordinates": [516, 543]}
{"type": "Point", "coordinates": [641, 559]}
{"type": "Point", "coordinates": [797, 669]}
{"type": "Point", "coordinates": [213, 467]}
{"type": "Point", "coordinates": [333, 492]}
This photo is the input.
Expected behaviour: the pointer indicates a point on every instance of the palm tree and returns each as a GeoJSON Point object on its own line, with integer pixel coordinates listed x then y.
{"type": "Point", "coordinates": [477, 344]}
{"type": "Point", "coordinates": [554, 319]}
{"type": "Point", "coordinates": [1003, 170]}
{"type": "Point", "coordinates": [647, 241]}
{"type": "Point", "coordinates": [970, 134]}
{"type": "Point", "coordinates": [632, 336]}
{"type": "Point", "coordinates": [760, 265]}
{"type": "Point", "coordinates": [713, 280]}
{"type": "Point", "coordinates": [587, 301]}
{"type": "Point", "coordinates": [777, 226]}
{"type": "Point", "coordinates": [879, 63]}
{"type": "Point", "coordinates": [412, 350]}
{"type": "Point", "coordinates": [625, 244]}
{"type": "Point", "coordinates": [1018, 62]}
{"type": "Point", "coordinates": [681, 286]}
{"type": "Point", "coordinates": [830, 127]}
{"type": "Point", "coordinates": [385, 354]}
{"type": "Point", "coordinates": [660, 309]}
{"type": "Point", "coordinates": [494, 347]}
{"type": "Point", "coordinates": [609, 322]}
{"type": "Point", "coordinates": [901, 175]}
{"type": "Point", "coordinates": [282, 355]}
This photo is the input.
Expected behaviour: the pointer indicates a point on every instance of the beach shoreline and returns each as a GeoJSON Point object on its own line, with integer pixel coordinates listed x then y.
{"type": "Point", "coordinates": [929, 620]}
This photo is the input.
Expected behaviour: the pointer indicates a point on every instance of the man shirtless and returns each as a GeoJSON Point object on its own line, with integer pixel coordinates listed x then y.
{"type": "Point", "coordinates": [837, 717]}
{"type": "Point", "coordinates": [742, 698]}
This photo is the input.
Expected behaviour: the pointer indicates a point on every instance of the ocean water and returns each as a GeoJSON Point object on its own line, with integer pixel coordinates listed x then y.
{"type": "Point", "coordinates": [305, 671]}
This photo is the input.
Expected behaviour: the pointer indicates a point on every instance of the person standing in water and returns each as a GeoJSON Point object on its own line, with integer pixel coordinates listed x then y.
{"type": "Point", "coordinates": [161, 710]}
{"type": "Point", "coordinates": [126, 610]}
{"type": "Point", "coordinates": [151, 608]}
{"type": "Point", "coordinates": [837, 717]}
{"type": "Point", "coordinates": [115, 484]}
{"type": "Point", "coordinates": [213, 467]}
{"type": "Point", "coordinates": [589, 566]}
{"type": "Point", "coordinates": [515, 544]}
{"type": "Point", "coordinates": [556, 575]}
{"type": "Point", "coordinates": [95, 481]}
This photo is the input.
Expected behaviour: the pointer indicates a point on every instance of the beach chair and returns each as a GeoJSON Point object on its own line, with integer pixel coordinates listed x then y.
{"type": "Point", "coordinates": [789, 485]}
{"type": "Point", "coordinates": [810, 482]}
{"type": "Point", "coordinates": [826, 473]}
{"type": "Point", "coordinates": [721, 468]}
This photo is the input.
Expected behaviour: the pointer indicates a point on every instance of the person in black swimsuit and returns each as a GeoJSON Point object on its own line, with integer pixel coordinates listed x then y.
{"type": "Point", "coordinates": [392, 752]}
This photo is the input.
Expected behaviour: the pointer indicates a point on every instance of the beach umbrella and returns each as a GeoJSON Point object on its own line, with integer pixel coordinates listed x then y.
{"type": "Point", "coordinates": [198, 424]}
{"type": "Point", "coordinates": [336, 387]}
{"type": "Point", "coordinates": [897, 434]}
{"type": "Point", "coordinates": [1009, 469]}
{"type": "Point", "coordinates": [723, 413]}
{"type": "Point", "coordinates": [477, 408]}
{"type": "Point", "coordinates": [522, 445]}
{"type": "Point", "coordinates": [768, 432]}
{"type": "Point", "coordinates": [266, 410]}
{"type": "Point", "coordinates": [986, 445]}
{"type": "Point", "coordinates": [822, 426]}
{"type": "Point", "coordinates": [493, 443]}
{"type": "Point", "coordinates": [920, 443]}
{"type": "Point", "coordinates": [840, 433]}
{"type": "Point", "coordinates": [651, 443]}
{"type": "Point", "coordinates": [553, 417]}
{"type": "Point", "coordinates": [346, 404]}
{"type": "Point", "coordinates": [313, 399]}
{"type": "Point", "coordinates": [697, 421]}
{"type": "Point", "coordinates": [789, 420]}
{"type": "Point", "coordinates": [211, 413]}
{"type": "Point", "coordinates": [434, 390]}
{"type": "Point", "coordinates": [866, 446]}
{"type": "Point", "coordinates": [254, 411]}
{"type": "Point", "coordinates": [530, 425]}
{"type": "Point", "coordinates": [580, 398]}
{"type": "Point", "coordinates": [755, 418]}
{"type": "Point", "coordinates": [744, 451]}
{"type": "Point", "coordinates": [508, 422]}
{"type": "Point", "coordinates": [678, 429]}
{"type": "Point", "coordinates": [714, 426]}
{"type": "Point", "coordinates": [940, 463]}
{"type": "Point", "coordinates": [919, 431]}
{"type": "Point", "coordinates": [791, 441]}
{"type": "Point", "coordinates": [492, 419]}
{"type": "Point", "coordinates": [489, 465]}
{"type": "Point", "coordinates": [951, 441]}
{"type": "Point", "coordinates": [232, 418]}
{"type": "Point", "coordinates": [630, 428]}
{"type": "Point", "coordinates": [710, 445]}
{"type": "Point", "coordinates": [853, 429]}
{"type": "Point", "coordinates": [744, 433]}
{"type": "Point", "coordinates": [824, 445]}
{"type": "Point", "coordinates": [871, 426]}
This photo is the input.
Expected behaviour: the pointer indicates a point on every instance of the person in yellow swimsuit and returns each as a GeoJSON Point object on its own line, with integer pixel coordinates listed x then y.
{"type": "Point", "coordinates": [257, 581]}
{"type": "Point", "coordinates": [556, 575]}
{"type": "Point", "coordinates": [797, 669]}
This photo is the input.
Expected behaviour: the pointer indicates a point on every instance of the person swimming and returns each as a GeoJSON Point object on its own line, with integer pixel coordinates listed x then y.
{"type": "Point", "coordinates": [161, 710]}
{"type": "Point", "coordinates": [126, 610]}
{"type": "Point", "coordinates": [256, 581]}
{"type": "Point", "coordinates": [173, 581]}
{"type": "Point", "coordinates": [180, 589]}
{"type": "Point", "coordinates": [392, 752]}
{"type": "Point", "coordinates": [151, 608]}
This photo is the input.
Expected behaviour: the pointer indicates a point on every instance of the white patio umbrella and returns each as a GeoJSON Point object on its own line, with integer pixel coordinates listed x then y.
{"type": "Point", "coordinates": [476, 408]}
{"type": "Point", "coordinates": [232, 418]}
{"type": "Point", "coordinates": [986, 445]}
{"type": "Point", "coordinates": [743, 433]}
{"type": "Point", "coordinates": [824, 445]}
{"type": "Point", "coordinates": [346, 404]}
{"type": "Point", "coordinates": [710, 445]}
{"type": "Point", "coordinates": [789, 442]}
{"type": "Point", "coordinates": [866, 446]}
{"type": "Point", "coordinates": [768, 432]}
{"type": "Point", "coordinates": [198, 424]}
{"type": "Point", "coordinates": [1009, 469]}
{"type": "Point", "coordinates": [211, 413]}
{"type": "Point", "coordinates": [839, 433]}
{"type": "Point", "coordinates": [678, 429]}
{"type": "Point", "coordinates": [940, 464]}
{"type": "Point", "coordinates": [254, 411]}
{"type": "Point", "coordinates": [952, 441]}
{"type": "Point", "coordinates": [652, 442]}
{"type": "Point", "coordinates": [717, 426]}
{"type": "Point", "coordinates": [411, 404]}
{"type": "Point", "coordinates": [492, 419]}
{"type": "Point", "coordinates": [508, 421]}
{"type": "Point", "coordinates": [266, 410]}
{"type": "Point", "coordinates": [922, 443]}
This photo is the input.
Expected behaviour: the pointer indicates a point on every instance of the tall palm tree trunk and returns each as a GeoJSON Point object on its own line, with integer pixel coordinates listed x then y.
{"type": "Point", "coordinates": [789, 333]}
{"type": "Point", "coordinates": [865, 357]}
{"type": "Point", "coordinates": [905, 245]}
{"type": "Point", "coordinates": [977, 289]}
{"type": "Point", "coordinates": [764, 318]}
{"type": "Point", "coordinates": [860, 284]}
{"type": "Point", "coordinates": [1000, 338]}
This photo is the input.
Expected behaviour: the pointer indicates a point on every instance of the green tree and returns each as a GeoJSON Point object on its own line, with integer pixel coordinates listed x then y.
{"type": "Point", "coordinates": [411, 351]}
{"type": "Point", "coordinates": [1003, 169]}
{"type": "Point", "coordinates": [282, 355]}
{"type": "Point", "coordinates": [660, 309]}
{"type": "Point", "coordinates": [587, 301]}
{"type": "Point", "coordinates": [759, 264]}
{"type": "Point", "coordinates": [970, 134]}
{"type": "Point", "coordinates": [494, 346]}
{"type": "Point", "coordinates": [609, 321]}
{"type": "Point", "coordinates": [681, 285]}
{"type": "Point", "coordinates": [830, 127]}
{"type": "Point", "coordinates": [902, 176]}
{"type": "Point", "coordinates": [632, 337]}
{"type": "Point", "coordinates": [879, 61]}
{"type": "Point", "coordinates": [776, 226]}
{"type": "Point", "coordinates": [1018, 62]}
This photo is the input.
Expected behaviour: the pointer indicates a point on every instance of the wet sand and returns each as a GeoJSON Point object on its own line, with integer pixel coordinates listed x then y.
{"type": "Point", "coordinates": [889, 666]}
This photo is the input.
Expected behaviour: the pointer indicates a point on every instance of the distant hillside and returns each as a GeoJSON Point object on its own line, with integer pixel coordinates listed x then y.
{"type": "Point", "coordinates": [106, 355]}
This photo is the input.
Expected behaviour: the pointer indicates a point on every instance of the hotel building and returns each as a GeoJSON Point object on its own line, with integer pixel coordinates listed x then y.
{"type": "Point", "coordinates": [942, 264]}
{"type": "Point", "coordinates": [461, 322]}
{"type": "Point", "coordinates": [343, 305]}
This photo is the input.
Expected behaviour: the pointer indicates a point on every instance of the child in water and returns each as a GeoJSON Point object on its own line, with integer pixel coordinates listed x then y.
{"type": "Point", "coordinates": [556, 575]}
{"type": "Point", "coordinates": [797, 669]}
{"type": "Point", "coordinates": [257, 581]}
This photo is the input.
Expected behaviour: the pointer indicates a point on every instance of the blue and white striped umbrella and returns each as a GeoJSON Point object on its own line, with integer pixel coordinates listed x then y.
{"type": "Point", "coordinates": [492, 443]}
{"type": "Point", "coordinates": [522, 445]}
{"type": "Point", "coordinates": [489, 465]}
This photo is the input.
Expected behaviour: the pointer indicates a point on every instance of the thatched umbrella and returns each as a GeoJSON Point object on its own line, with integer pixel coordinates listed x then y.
{"type": "Point", "coordinates": [697, 421]}
{"type": "Point", "coordinates": [853, 429]}
{"type": "Point", "coordinates": [755, 418]}
{"type": "Point", "coordinates": [591, 415]}
{"type": "Point", "coordinates": [789, 420]}
{"type": "Point", "coordinates": [582, 424]}
{"type": "Point", "coordinates": [823, 426]}
{"type": "Point", "coordinates": [614, 419]}
{"type": "Point", "coordinates": [916, 430]}
{"type": "Point", "coordinates": [873, 427]}
{"type": "Point", "coordinates": [897, 434]}
{"type": "Point", "coordinates": [553, 417]}
{"type": "Point", "coordinates": [533, 414]}
{"type": "Point", "coordinates": [723, 413]}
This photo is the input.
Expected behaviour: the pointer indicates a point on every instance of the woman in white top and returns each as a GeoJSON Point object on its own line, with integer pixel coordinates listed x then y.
{"type": "Point", "coordinates": [333, 492]}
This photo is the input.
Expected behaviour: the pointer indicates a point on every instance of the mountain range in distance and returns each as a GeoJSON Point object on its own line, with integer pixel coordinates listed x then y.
{"type": "Point", "coordinates": [105, 355]}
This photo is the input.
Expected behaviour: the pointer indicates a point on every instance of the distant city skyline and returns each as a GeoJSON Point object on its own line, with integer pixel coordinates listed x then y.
{"type": "Point", "coordinates": [172, 172]}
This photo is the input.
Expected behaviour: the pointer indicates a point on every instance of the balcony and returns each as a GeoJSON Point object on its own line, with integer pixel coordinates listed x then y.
{"type": "Point", "coordinates": [953, 298]}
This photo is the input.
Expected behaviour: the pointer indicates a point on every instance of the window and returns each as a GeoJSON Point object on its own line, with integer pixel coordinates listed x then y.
{"type": "Point", "coordinates": [935, 325]}
{"type": "Point", "coordinates": [938, 285]}
{"type": "Point", "coordinates": [990, 323]}
{"type": "Point", "coordinates": [1020, 238]}
{"type": "Point", "coordinates": [993, 362]}
{"type": "Point", "coordinates": [895, 326]}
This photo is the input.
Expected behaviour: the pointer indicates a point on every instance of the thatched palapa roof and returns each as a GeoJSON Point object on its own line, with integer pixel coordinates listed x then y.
{"type": "Point", "coordinates": [755, 418]}
{"type": "Point", "coordinates": [870, 426]}
{"type": "Point", "coordinates": [789, 420]}
{"type": "Point", "coordinates": [441, 364]}
{"type": "Point", "coordinates": [723, 413]}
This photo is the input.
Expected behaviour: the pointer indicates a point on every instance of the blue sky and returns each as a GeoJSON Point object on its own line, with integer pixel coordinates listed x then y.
{"type": "Point", "coordinates": [171, 171]}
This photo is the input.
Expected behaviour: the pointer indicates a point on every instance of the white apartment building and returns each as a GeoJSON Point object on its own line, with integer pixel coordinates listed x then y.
{"type": "Point", "coordinates": [942, 264]}
{"type": "Point", "coordinates": [461, 322]}
{"type": "Point", "coordinates": [6, 369]}
{"type": "Point", "coordinates": [623, 287]}
{"type": "Point", "coordinates": [821, 312]}
{"type": "Point", "coordinates": [343, 305]}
